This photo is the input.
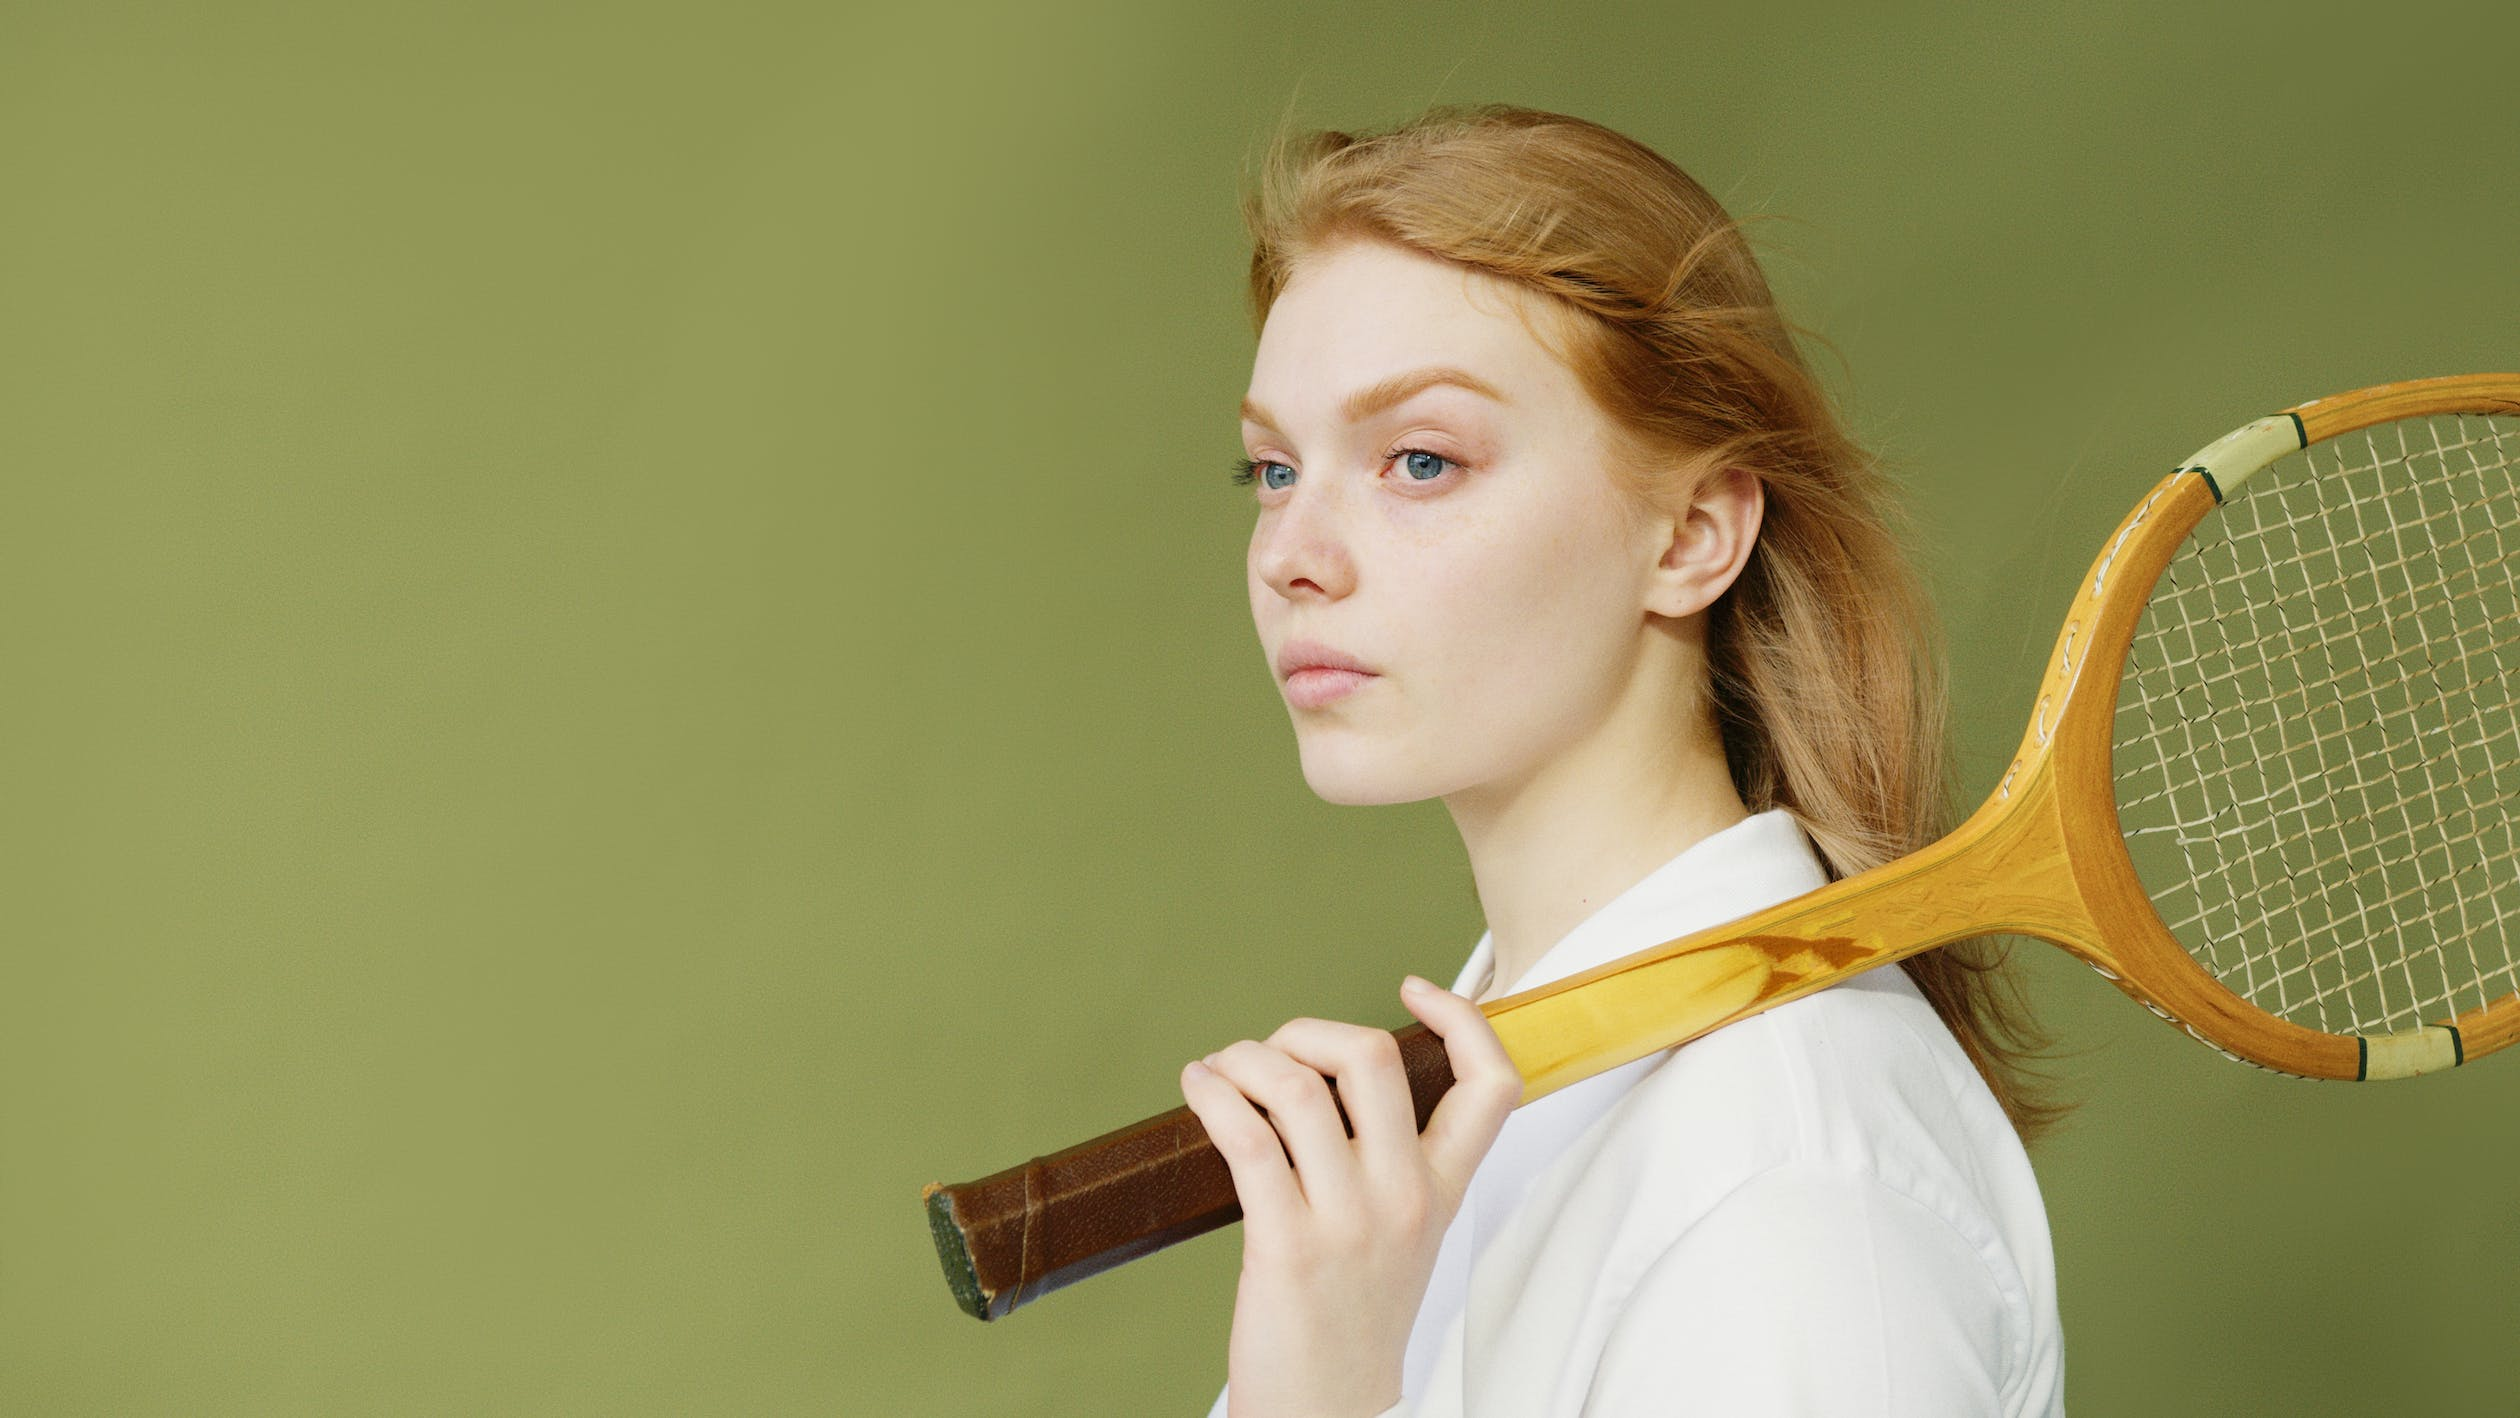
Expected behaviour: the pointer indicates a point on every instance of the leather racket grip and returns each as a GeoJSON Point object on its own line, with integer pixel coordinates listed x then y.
{"type": "Point", "coordinates": [1017, 1235]}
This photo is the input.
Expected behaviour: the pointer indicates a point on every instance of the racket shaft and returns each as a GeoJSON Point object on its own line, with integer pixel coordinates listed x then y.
{"type": "Point", "coordinates": [2000, 871]}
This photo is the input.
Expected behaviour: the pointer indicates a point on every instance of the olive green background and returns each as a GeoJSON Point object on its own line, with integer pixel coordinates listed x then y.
{"type": "Point", "coordinates": [622, 638]}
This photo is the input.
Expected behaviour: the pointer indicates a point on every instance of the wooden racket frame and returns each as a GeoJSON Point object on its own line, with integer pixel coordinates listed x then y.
{"type": "Point", "coordinates": [2043, 856]}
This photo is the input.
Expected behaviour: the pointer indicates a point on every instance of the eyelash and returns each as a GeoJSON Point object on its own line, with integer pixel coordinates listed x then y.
{"type": "Point", "coordinates": [1247, 470]}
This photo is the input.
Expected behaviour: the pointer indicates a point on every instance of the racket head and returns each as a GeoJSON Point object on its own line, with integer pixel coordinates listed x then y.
{"type": "Point", "coordinates": [2280, 743]}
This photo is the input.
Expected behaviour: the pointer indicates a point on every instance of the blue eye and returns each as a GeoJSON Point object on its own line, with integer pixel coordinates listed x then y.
{"type": "Point", "coordinates": [1409, 464]}
{"type": "Point", "coordinates": [1247, 470]}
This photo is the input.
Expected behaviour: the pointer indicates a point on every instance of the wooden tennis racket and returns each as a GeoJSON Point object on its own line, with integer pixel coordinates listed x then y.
{"type": "Point", "coordinates": [2266, 790]}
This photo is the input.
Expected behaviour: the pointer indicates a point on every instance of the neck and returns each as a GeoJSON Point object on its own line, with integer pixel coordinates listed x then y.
{"type": "Point", "coordinates": [1551, 849]}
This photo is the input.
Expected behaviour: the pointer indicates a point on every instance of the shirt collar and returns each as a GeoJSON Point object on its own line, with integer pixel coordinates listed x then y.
{"type": "Point", "coordinates": [1755, 863]}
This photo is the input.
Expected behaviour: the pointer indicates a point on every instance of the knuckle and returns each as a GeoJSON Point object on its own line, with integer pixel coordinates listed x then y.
{"type": "Point", "coordinates": [1242, 1060]}
{"type": "Point", "coordinates": [1380, 1048]}
{"type": "Point", "coordinates": [1245, 1145]}
{"type": "Point", "coordinates": [1294, 1028]}
{"type": "Point", "coordinates": [1290, 1089]}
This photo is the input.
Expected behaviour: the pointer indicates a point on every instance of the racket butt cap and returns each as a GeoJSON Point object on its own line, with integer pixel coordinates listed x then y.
{"type": "Point", "coordinates": [953, 1251]}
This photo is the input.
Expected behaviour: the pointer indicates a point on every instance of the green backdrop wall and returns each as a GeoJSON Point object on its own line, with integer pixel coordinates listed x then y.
{"type": "Point", "coordinates": [624, 639]}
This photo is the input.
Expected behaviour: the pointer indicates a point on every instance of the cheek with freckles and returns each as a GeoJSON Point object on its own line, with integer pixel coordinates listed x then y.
{"type": "Point", "coordinates": [1506, 613]}
{"type": "Point", "coordinates": [1537, 629]}
{"type": "Point", "coordinates": [1509, 633]}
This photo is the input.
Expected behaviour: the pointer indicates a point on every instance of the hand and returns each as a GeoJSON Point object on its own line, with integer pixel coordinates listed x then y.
{"type": "Point", "coordinates": [1338, 1246]}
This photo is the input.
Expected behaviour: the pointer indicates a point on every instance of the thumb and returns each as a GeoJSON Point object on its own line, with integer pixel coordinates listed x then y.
{"type": "Point", "coordinates": [1486, 1084]}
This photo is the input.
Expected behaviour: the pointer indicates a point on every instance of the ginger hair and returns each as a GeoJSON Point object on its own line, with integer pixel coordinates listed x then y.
{"type": "Point", "coordinates": [1824, 671]}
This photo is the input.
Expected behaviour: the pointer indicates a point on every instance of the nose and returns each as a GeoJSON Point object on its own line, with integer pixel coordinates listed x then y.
{"type": "Point", "coordinates": [1301, 548]}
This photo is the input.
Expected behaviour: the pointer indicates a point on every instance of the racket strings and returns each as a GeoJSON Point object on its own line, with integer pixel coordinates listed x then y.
{"type": "Point", "coordinates": [2401, 908]}
{"type": "Point", "coordinates": [2318, 745]}
{"type": "Point", "coordinates": [2309, 689]}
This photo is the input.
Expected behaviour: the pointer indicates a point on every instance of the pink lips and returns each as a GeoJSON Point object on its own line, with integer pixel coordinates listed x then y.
{"type": "Point", "coordinates": [1317, 674]}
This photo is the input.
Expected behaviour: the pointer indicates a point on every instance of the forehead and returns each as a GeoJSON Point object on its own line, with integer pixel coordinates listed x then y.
{"type": "Point", "coordinates": [1362, 311]}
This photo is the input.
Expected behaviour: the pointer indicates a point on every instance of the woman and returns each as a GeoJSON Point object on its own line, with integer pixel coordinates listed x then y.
{"type": "Point", "coordinates": [1554, 523]}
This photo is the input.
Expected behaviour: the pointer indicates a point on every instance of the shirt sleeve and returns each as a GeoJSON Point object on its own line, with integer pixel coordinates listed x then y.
{"type": "Point", "coordinates": [1812, 1291]}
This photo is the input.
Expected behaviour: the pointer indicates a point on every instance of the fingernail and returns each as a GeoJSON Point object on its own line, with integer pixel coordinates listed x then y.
{"type": "Point", "coordinates": [1194, 1066]}
{"type": "Point", "coordinates": [1414, 984]}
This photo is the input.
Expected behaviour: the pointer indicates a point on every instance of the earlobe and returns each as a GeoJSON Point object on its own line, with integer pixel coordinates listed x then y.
{"type": "Point", "coordinates": [1709, 543]}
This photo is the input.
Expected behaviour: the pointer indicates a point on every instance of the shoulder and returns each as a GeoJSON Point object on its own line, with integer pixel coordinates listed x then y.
{"type": "Point", "coordinates": [1838, 1160]}
{"type": "Point", "coordinates": [1858, 1093]}
{"type": "Point", "coordinates": [1862, 1075]}
{"type": "Point", "coordinates": [1810, 1288]}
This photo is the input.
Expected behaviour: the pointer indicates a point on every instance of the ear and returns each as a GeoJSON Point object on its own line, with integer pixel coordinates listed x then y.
{"type": "Point", "coordinates": [1704, 549]}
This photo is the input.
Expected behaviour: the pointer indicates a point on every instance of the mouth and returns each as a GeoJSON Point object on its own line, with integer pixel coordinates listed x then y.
{"type": "Point", "coordinates": [1297, 657]}
{"type": "Point", "coordinates": [1312, 686]}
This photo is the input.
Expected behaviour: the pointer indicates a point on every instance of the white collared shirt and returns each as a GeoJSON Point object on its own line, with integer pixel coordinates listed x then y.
{"type": "Point", "coordinates": [1817, 1210]}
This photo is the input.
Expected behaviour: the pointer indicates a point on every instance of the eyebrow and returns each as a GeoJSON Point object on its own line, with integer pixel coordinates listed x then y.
{"type": "Point", "coordinates": [1374, 398]}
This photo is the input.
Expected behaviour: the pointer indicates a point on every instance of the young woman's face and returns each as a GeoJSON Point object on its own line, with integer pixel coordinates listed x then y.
{"type": "Point", "coordinates": [1470, 551]}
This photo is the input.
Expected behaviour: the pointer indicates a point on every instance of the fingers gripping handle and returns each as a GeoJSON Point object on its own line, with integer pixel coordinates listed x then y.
{"type": "Point", "coordinates": [1017, 1235]}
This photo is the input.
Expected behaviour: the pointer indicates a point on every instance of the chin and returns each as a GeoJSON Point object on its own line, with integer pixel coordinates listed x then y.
{"type": "Point", "coordinates": [1339, 769]}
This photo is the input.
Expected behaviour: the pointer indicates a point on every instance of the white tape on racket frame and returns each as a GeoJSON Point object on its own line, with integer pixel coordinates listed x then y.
{"type": "Point", "coordinates": [2230, 460]}
{"type": "Point", "coordinates": [2426, 1048]}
